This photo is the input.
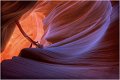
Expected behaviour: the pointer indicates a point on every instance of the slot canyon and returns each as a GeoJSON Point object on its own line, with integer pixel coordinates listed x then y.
{"type": "Point", "coordinates": [80, 39]}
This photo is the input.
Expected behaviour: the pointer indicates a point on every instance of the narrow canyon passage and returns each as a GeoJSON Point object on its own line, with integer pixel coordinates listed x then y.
{"type": "Point", "coordinates": [80, 40]}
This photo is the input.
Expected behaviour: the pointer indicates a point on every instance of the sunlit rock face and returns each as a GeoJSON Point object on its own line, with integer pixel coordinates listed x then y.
{"type": "Point", "coordinates": [32, 24]}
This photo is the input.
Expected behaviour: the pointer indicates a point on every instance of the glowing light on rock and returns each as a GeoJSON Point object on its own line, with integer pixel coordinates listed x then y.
{"type": "Point", "coordinates": [33, 26]}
